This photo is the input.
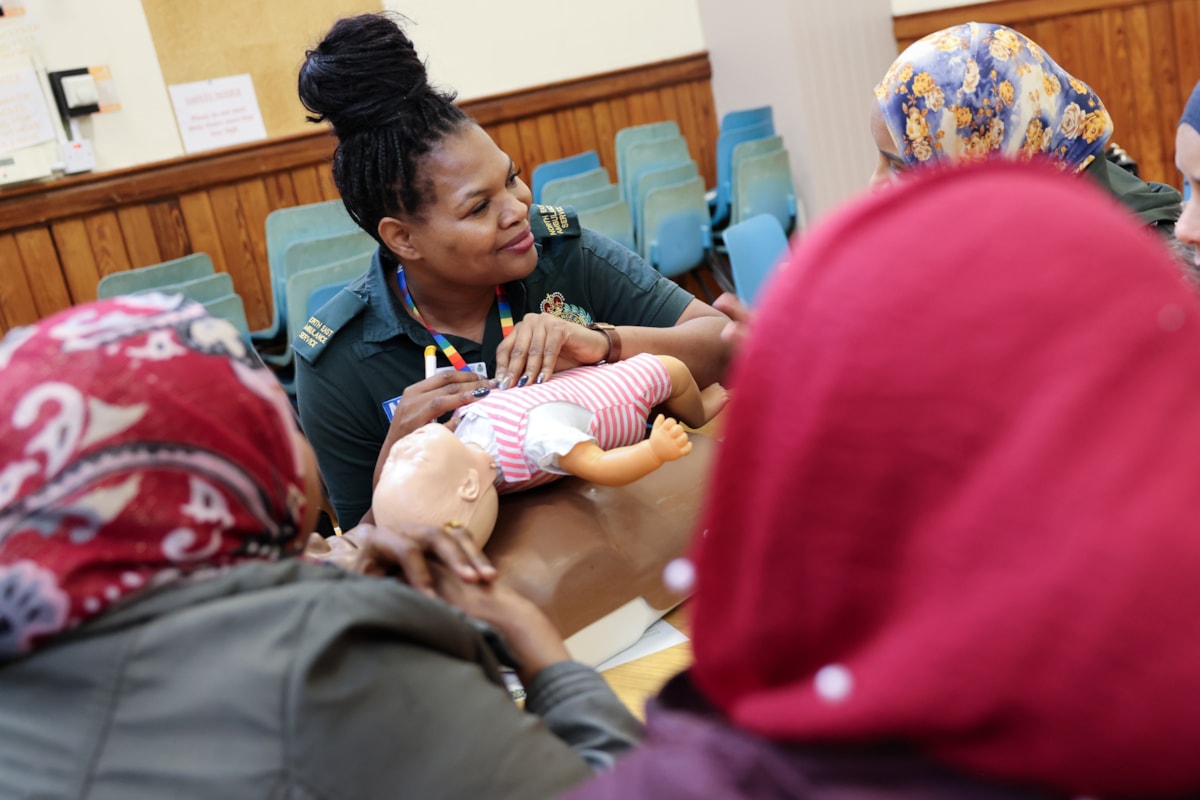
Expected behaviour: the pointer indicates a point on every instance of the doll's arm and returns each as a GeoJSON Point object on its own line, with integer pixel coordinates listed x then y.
{"type": "Point", "coordinates": [619, 466]}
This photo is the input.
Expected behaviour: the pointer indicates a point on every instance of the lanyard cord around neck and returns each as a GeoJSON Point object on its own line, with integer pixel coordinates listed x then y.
{"type": "Point", "coordinates": [506, 320]}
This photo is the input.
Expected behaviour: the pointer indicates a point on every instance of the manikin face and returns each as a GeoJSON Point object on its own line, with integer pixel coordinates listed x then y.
{"type": "Point", "coordinates": [1187, 159]}
{"type": "Point", "coordinates": [432, 478]}
{"type": "Point", "coordinates": [889, 164]}
{"type": "Point", "coordinates": [474, 229]}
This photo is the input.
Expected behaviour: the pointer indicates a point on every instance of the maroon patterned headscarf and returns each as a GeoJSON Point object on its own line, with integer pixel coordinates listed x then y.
{"type": "Point", "coordinates": [139, 440]}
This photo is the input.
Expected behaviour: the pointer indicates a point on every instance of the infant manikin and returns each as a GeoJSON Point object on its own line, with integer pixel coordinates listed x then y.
{"type": "Point", "coordinates": [589, 422]}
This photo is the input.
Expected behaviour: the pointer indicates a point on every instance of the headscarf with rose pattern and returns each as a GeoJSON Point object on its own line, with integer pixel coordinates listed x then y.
{"type": "Point", "coordinates": [139, 440]}
{"type": "Point", "coordinates": [977, 89]}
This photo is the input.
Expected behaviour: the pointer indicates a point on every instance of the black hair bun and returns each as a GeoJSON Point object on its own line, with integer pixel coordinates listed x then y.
{"type": "Point", "coordinates": [364, 74]}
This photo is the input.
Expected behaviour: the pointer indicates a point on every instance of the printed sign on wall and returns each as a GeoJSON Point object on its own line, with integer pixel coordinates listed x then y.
{"type": "Point", "coordinates": [217, 113]}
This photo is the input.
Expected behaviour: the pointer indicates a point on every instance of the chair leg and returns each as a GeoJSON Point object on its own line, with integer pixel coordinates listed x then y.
{"type": "Point", "coordinates": [720, 273]}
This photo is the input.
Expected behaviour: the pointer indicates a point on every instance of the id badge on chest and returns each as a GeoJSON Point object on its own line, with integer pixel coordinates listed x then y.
{"type": "Point", "coordinates": [389, 406]}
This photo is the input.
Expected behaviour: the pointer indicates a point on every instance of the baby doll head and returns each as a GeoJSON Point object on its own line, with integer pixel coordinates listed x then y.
{"type": "Point", "coordinates": [431, 477]}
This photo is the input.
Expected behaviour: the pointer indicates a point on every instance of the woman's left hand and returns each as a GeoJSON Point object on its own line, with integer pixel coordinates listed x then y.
{"type": "Point", "coordinates": [542, 344]}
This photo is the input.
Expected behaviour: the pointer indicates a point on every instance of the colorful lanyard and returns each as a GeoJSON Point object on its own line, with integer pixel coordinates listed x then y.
{"type": "Point", "coordinates": [506, 320]}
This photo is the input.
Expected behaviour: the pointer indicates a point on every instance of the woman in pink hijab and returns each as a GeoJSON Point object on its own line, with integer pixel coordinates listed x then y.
{"type": "Point", "coordinates": [950, 547]}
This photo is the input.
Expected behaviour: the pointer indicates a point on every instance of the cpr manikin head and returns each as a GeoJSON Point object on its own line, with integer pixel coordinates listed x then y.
{"type": "Point", "coordinates": [431, 477]}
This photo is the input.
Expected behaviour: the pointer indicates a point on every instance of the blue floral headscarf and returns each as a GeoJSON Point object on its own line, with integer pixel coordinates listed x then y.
{"type": "Point", "coordinates": [978, 89]}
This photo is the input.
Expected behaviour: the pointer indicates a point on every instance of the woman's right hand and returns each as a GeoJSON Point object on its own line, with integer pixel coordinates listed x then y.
{"type": "Point", "coordinates": [527, 631]}
{"type": "Point", "coordinates": [426, 400]}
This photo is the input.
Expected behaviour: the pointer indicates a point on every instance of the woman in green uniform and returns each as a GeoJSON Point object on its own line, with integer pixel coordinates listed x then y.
{"type": "Point", "coordinates": [507, 292]}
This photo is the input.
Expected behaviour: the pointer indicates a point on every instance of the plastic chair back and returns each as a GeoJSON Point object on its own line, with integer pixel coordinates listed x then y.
{"type": "Point", "coordinates": [612, 220]}
{"type": "Point", "coordinates": [756, 246]}
{"type": "Point", "coordinates": [209, 287]}
{"type": "Point", "coordinates": [627, 137]}
{"type": "Point", "coordinates": [561, 168]}
{"type": "Point", "coordinates": [725, 144]}
{"type": "Point", "coordinates": [646, 156]}
{"type": "Point", "coordinates": [595, 198]}
{"type": "Point", "coordinates": [747, 117]}
{"type": "Point", "coordinates": [285, 226]}
{"type": "Point", "coordinates": [745, 150]}
{"type": "Point", "coordinates": [657, 179]}
{"type": "Point", "coordinates": [555, 190]}
{"type": "Point", "coordinates": [230, 307]}
{"type": "Point", "coordinates": [765, 187]}
{"type": "Point", "coordinates": [678, 236]}
{"type": "Point", "coordinates": [154, 276]}
{"type": "Point", "coordinates": [301, 285]}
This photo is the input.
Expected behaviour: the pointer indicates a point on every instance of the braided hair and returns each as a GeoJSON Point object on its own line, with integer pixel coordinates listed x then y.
{"type": "Point", "coordinates": [366, 79]}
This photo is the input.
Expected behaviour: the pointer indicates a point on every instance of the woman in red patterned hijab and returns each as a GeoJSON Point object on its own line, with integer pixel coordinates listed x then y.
{"type": "Point", "coordinates": [951, 542]}
{"type": "Point", "coordinates": [143, 442]}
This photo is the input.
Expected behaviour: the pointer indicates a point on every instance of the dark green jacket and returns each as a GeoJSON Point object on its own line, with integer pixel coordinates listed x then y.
{"type": "Point", "coordinates": [293, 680]}
{"type": "Point", "coordinates": [1157, 204]}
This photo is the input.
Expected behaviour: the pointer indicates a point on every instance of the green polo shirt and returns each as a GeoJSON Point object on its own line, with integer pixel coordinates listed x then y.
{"type": "Point", "coordinates": [362, 350]}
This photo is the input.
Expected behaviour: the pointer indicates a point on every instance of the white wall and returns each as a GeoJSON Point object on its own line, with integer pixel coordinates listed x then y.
{"type": "Point", "coordinates": [481, 47]}
{"type": "Point", "coordinates": [902, 7]}
{"type": "Point", "coordinates": [64, 34]}
{"type": "Point", "coordinates": [816, 64]}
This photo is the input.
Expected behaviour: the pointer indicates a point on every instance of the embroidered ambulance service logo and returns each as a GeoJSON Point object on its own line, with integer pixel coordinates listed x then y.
{"type": "Point", "coordinates": [557, 305]}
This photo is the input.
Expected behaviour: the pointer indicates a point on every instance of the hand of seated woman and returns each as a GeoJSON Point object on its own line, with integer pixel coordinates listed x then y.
{"type": "Point", "coordinates": [542, 344]}
{"type": "Point", "coordinates": [528, 632]}
{"type": "Point", "coordinates": [410, 555]}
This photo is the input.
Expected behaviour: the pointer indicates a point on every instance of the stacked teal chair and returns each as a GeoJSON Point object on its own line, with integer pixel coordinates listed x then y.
{"type": "Point", "coordinates": [155, 276]}
{"type": "Point", "coordinates": [202, 290]}
{"type": "Point", "coordinates": [678, 237]}
{"type": "Point", "coordinates": [764, 186]}
{"type": "Point", "coordinates": [653, 179]}
{"type": "Point", "coordinates": [649, 156]}
{"type": "Point", "coordinates": [635, 134]}
{"type": "Point", "coordinates": [756, 247]}
{"type": "Point", "coordinates": [743, 151]}
{"type": "Point", "coordinates": [726, 142]}
{"type": "Point", "coordinates": [562, 168]}
{"type": "Point", "coordinates": [326, 279]}
{"type": "Point", "coordinates": [308, 254]}
{"type": "Point", "coordinates": [302, 285]}
{"type": "Point", "coordinates": [285, 226]}
{"type": "Point", "coordinates": [593, 198]}
{"type": "Point", "coordinates": [612, 220]}
{"type": "Point", "coordinates": [555, 190]}
{"type": "Point", "coordinates": [230, 307]}
{"type": "Point", "coordinates": [747, 117]}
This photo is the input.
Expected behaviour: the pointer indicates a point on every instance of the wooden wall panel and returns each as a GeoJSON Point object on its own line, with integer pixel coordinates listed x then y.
{"type": "Point", "coordinates": [43, 270]}
{"type": "Point", "coordinates": [57, 240]}
{"type": "Point", "coordinates": [138, 232]}
{"type": "Point", "coordinates": [1141, 56]}
{"type": "Point", "coordinates": [17, 303]}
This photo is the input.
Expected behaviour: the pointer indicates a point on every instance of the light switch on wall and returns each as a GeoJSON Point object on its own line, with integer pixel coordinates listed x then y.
{"type": "Point", "coordinates": [80, 91]}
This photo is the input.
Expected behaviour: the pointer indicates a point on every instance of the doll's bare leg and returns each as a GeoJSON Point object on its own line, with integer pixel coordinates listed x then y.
{"type": "Point", "coordinates": [688, 401]}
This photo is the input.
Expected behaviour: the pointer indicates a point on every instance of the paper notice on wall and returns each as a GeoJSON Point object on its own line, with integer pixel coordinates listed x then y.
{"type": "Point", "coordinates": [24, 116]}
{"type": "Point", "coordinates": [217, 113]}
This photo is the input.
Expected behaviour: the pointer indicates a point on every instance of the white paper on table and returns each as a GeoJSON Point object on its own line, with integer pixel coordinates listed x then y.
{"type": "Point", "coordinates": [657, 637]}
{"type": "Point", "coordinates": [218, 112]}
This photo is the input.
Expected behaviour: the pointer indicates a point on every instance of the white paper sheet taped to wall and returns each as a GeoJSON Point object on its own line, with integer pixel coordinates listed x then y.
{"type": "Point", "coordinates": [24, 116]}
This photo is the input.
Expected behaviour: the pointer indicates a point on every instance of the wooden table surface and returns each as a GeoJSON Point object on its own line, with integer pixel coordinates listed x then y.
{"type": "Point", "coordinates": [638, 681]}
